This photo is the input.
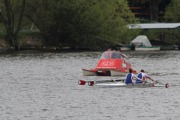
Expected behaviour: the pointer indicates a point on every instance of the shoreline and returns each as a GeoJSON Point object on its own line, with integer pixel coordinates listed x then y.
{"type": "Point", "coordinates": [68, 49]}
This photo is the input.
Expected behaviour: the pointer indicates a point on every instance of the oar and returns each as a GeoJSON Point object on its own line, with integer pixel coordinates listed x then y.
{"type": "Point", "coordinates": [83, 82]}
{"type": "Point", "coordinates": [166, 84]}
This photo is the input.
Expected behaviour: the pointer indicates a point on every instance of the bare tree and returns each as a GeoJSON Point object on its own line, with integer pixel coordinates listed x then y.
{"type": "Point", "coordinates": [12, 20]}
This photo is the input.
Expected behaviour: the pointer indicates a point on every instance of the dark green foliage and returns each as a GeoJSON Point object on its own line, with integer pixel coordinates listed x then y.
{"type": "Point", "coordinates": [81, 22]}
{"type": "Point", "coordinates": [11, 15]}
{"type": "Point", "coordinates": [75, 23]}
{"type": "Point", "coordinates": [172, 15]}
{"type": "Point", "coordinates": [172, 12]}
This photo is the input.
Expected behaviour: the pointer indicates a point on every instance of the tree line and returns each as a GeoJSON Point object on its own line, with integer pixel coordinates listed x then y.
{"type": "Point", "coordinates": [75, 23]}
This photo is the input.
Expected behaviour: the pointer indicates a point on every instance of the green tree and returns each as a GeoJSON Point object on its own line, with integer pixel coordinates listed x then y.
{"type": "Point", "coordinates": [11, 16]}
{"type": "Point", "coordinates": [172, 11]}
{"type": "Point", "coordinates": [80, 22]}
{"type": "Point", "coordinates": [172, 15]}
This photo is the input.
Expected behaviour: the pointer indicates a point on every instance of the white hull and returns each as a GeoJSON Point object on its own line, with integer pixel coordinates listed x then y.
{"type": "Point", "coordinates": [112, 73]}
{"type": "Point", "coordinates": [117, 73]}
{"type": "Point", "coordinates": [88, 72]}
{"type": "Point", "coordinates": [125, 48]}
{"type": "Point", "coordinates": [114, 84]}
{"type": "Point", "coordinates": [121, 84]}
{"type": "Point", "coordinates": [147, 48]}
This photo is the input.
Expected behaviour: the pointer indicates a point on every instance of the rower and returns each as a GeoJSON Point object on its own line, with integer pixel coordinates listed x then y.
{"type": "Point", "coordinates": [143, 76]}
{"type": "Point", "coordinates": [130, 76]}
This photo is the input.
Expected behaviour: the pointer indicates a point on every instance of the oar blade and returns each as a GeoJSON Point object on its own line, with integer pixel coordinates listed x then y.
{"type": "Point", "coordinates": [166, 85]}
{"type": "Point", "coordinates": [81, 82]}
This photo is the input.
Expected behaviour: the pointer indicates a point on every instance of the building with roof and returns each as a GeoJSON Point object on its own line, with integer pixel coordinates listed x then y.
{"type": "Point", "coordinates": [152, 10]}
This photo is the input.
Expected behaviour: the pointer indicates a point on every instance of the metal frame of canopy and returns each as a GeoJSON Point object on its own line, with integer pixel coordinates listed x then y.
{"type": "Point", "coordinates": [155, 26]}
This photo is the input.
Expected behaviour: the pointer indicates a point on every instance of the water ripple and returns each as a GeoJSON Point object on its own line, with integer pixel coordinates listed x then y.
{"type": "Point", "coordinates": [44, 86]}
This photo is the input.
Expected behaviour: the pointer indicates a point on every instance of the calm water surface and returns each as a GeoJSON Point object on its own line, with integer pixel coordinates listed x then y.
{"type": "Point", "coordinates": [44, 86]}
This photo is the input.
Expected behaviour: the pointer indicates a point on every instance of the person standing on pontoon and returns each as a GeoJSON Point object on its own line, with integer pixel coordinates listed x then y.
{"type": "Point", "coordinates": [143, 77]}
{"type": "Point", "coordinates": [129, 77]}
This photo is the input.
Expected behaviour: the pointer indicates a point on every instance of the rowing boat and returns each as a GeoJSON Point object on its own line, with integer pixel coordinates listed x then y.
{"type": "Point", "coordinates": [120, 83]}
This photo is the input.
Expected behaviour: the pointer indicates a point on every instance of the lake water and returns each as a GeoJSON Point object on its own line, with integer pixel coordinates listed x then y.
{"type": "Point", "coordinates": [44, 86]}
